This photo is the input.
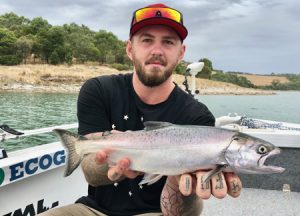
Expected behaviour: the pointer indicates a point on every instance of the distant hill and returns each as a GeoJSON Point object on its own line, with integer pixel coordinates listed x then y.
{"type": "Point", "coordinates": [264, 80]}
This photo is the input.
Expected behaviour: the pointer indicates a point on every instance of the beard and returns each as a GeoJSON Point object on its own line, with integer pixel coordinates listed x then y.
{"type": "Point", "coordinates": [155, 76]}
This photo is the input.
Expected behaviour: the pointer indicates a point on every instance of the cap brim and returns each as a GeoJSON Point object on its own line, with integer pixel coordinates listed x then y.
{"type": "Point", "coordinates": [177, 27]}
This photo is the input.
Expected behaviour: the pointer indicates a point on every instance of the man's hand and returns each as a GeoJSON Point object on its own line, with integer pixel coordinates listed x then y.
{"type": "Point", "coordinates": [96, 169]}
{"type": "Point", "coordinates": [121, 169]}
{"type": "Point", "coordinates": [182, 195]}
{"type": "Point", "coordinates": [219, 186]}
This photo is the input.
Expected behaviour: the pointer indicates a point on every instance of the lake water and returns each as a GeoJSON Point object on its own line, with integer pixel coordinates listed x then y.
{"type": "Point", "coordinates": [24, 111]}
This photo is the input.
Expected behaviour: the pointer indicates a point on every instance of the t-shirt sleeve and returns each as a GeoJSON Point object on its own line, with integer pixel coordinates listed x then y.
{"type": "Point", "coordinates": [204, 117]}
{"type": "Point", "coordinates": [93, 108]}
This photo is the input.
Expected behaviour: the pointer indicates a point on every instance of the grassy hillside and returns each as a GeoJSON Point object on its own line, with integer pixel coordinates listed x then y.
{"type": "Point", "coordinates": [261, 80]}
{"type": "Point", "coordinates": [64, 78]}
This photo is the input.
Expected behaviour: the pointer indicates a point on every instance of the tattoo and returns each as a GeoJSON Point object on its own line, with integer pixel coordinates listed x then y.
{"type": "Point", "coordinates": [173, 203]}
{"type": "Point", "coordinates": [95, 174]}
{"type": "Point", "coordinates": [187, 183]}
{"type": "Point", "coordinates": [204, 185]}
{"type": "Point", "coordinates": [235, 188]}
{"type": "Point", "coordinates": [219, 184]}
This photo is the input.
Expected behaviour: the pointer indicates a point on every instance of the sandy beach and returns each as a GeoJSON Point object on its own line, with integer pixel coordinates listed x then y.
{"type": "Point", "coordinates": [69, 79]}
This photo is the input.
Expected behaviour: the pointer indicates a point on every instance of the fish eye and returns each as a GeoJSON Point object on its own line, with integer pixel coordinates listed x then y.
{"type": "Point", "coordinates": [262, 149]}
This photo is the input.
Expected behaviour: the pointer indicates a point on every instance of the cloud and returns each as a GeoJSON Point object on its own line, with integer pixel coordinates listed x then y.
{"type": "Point", "coordinates": [259, 36]}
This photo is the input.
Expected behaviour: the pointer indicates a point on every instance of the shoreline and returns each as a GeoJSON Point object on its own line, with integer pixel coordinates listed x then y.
{"type": "Point", "coordinates": [69, 79]}
{"type": "Point", "coordinates": [75, 88]}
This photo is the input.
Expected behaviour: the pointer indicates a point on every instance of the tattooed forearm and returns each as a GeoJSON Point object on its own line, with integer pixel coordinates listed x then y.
{"type": "Point", "coordinates": [173, 203]}
{"type": "Point", "coordinates": [171, 200]}
{"type": "Point", "coordinates": [94, 173]}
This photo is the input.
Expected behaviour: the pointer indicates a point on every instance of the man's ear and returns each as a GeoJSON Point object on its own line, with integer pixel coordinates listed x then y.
{"type": "Point", "coordinates": [129, 49]}
{"type": "Point", "coordinates": [181, 55]}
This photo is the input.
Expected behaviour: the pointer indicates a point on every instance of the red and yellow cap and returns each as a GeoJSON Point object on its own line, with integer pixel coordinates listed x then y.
{"type": "Point", "coordinates": [158, 14]}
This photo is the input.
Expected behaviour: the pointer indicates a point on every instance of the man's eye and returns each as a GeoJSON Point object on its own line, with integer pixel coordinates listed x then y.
{"type": "Point", "coordinates": [147, 40]}
{"type": "Point", "coordinates": [169, 42]}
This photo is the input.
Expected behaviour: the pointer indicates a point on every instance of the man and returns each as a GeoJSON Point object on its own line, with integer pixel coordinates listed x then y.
{"type": "Point", "coordinates": [124, 102]}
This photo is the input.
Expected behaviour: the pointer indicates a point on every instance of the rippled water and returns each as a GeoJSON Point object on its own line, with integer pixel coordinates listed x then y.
{"type": "Point", "coordinates": [284, 106]}
{"type": "Point", "coordinates": [26, 111]}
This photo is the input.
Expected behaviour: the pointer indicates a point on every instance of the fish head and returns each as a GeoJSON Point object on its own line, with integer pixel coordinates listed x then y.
{"type": "Point", "coordinates": [248, 154]}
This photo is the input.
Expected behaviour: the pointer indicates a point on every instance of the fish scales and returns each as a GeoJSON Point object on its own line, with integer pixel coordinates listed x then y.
{"type": "Point", "coordinates": [168, 149]}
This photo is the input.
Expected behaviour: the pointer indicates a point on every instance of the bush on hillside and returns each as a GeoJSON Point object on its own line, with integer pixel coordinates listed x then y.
{"type": "Point", "coordinates": [232, 78]}
{"type": "Point", "coordinates": [120, 67]}
{"type": "Point", "coordinates": [10, 60]}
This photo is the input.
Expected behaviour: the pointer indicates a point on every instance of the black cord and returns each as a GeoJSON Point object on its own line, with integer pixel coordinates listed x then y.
{"type": "Point", "coordinates": [186, 84]}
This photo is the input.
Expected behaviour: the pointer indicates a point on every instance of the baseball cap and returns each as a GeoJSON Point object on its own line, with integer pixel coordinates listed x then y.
{"type": "Point", "coordinates": [158, 14]}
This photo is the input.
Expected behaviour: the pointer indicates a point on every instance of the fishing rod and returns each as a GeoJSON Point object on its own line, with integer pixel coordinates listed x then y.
{"type": "Point", "coordinates": [6, 132]}
{"type": "Point", "coordinates": [10, 133]}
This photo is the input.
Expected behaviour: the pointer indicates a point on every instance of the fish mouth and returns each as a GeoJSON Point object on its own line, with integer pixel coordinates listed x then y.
{"type": "Point", "coordinates": [266, 168]}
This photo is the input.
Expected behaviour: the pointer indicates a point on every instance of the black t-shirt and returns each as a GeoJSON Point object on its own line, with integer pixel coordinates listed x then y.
{"type": "Point", "coordinates": [110, 102]}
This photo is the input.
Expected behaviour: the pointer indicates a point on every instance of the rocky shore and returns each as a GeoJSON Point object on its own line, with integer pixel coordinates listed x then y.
{"type": "Point", "coordinates": [69, 79]}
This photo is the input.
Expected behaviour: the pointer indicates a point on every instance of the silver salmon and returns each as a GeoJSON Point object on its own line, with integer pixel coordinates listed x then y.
{"type": "Point", "coordinates": [168, 149]}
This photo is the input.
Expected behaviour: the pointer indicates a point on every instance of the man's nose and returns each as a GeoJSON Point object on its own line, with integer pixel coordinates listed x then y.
{"type": "Point", "coordinates": [157, 49]}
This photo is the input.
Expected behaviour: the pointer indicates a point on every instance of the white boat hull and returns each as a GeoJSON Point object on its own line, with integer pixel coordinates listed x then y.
{"type": "Point", "coordinates": [31, 180]}
{"type": "Point", "coordinates": [33, 194]}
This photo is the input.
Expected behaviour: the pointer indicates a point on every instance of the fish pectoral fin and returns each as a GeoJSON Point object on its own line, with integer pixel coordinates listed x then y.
{"type": "Point", "coordinates": [153, 125]}
{"type": "Point", "coordinates": [213, 172]}
{"type": "Point", "coordinates": [150, 179]}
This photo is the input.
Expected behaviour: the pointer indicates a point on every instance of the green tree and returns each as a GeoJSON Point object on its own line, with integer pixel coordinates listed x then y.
{"type": "Point", "coordinates": [14, 23]}
{"type": "Point", "coordinates": [23, 47]}
{"type": "Point", "coordinates": [7, 48]}
{"type": "Point", "coordinates": [180, 68]}
{"type": "Point", "coordinates": [53, 39]}
{"type": "Point", "coordinates": [36, 26]}
{"type": "Point", "coordinates": [54, 58]}
{"type": "Point", "coordinates": [206, 70]}
{"type": "Point", "coordinates": [109, 45]}
{"type": "Point", "coordinates": [79, 39]}
{"type": "Point", "coordinates": [207, 63]}
{"type": "Point", "coordinates": [205, 73]}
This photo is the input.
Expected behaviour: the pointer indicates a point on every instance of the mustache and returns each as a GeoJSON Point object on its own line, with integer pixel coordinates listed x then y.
{"type": "Point", "coordinates": [155, 59]}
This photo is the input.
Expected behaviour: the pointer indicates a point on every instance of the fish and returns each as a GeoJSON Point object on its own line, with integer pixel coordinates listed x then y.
{"type": "Point", "coordinates": [166, 149]}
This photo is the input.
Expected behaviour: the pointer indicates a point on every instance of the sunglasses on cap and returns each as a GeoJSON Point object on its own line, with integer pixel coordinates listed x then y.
{"type": "Point", "coordinates": [147, 13]}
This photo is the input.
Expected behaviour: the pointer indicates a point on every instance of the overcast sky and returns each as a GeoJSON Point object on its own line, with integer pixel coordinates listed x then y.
{"type": "Point", "coordinates": [256, 36]}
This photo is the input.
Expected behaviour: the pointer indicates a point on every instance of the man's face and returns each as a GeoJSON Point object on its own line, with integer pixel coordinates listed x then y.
{"type": "Point", "coordinates": [155, 51]}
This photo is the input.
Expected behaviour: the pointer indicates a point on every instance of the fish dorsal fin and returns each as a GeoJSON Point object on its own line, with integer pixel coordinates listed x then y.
{"type": "Point", "coordinates": [152, 125]}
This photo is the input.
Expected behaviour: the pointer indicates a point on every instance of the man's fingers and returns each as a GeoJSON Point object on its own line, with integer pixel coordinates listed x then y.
{"type": "Point", "coordinates": [234, 184]}
{"type": "Point", "coordinates": [218, 186]}
{"type": "Point", "coordinates": [185, 184]}
{"type": "Point", "coordinates": [116, 172]}
{"type": "Point", "coordinates": [132, 174]}
{"type": "Point", "coordinates": [203, 189]}
{"type": "Point", "coordinates": [101, 157]}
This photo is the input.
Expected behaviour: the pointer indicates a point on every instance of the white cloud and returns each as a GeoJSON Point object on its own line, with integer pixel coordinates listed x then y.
{"type": "Point", "coordinates": [259, 36]}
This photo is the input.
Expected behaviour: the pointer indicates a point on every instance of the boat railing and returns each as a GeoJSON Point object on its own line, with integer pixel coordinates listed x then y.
{"type": "Point", "coordinates": [7, 132]}
{"type": "Point", "coordinates": [5, 135]}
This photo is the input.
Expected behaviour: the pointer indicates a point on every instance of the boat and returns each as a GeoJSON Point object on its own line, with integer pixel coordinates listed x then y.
{"type": "Point", "coordinates": [31, 180]}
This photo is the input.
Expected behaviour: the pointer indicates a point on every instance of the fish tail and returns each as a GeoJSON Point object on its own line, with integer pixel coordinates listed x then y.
{"type": "Point", "coordinates": [68, 140]}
